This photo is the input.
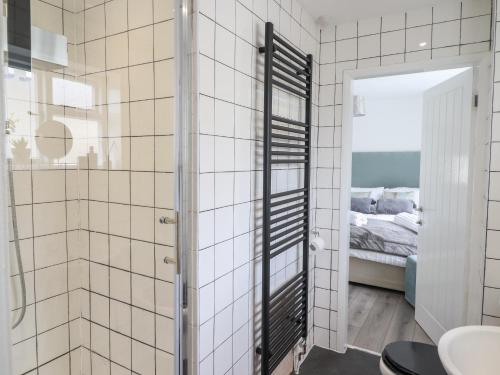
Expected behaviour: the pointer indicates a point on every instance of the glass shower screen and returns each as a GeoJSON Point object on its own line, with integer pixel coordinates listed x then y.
{"type": "Point", "coordinates": [90, 190]}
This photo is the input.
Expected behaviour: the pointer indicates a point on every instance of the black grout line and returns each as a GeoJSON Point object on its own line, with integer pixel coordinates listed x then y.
{"type": "Point", "coordinates": [36, 333]}
{"type": "Point", "coordinates": [35, 369]}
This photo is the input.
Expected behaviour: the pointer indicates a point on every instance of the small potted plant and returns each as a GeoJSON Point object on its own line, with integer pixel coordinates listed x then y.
{"type": "Point", "coordinates": [20, 150]}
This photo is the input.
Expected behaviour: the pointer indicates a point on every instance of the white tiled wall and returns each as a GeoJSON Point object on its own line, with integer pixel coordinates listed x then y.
{"type": "Point", "coordinates": [46, 208]}
{"type": "Point", "coordinates": [92, 245]}
{"type": "Point", "coordinates": [128, 152]}
{"type": "Point", "coordinates": [230, 108]}
{"type": "Point", "coordinates": [449, 29]}
{"type": "Point", "coordinates": [491, 305]}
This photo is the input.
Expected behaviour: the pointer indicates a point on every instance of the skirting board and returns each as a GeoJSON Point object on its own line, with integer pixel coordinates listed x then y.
{"type": "Point", "coordinates": [376, 274]}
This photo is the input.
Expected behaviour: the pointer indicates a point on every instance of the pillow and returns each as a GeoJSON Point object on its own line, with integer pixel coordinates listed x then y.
{"type": "Point", "coordinates": [375, 193]}
{"type": "Point", "coordinates": [361, 205]}
{"type": "Point", "coordinates": [412, 194]}
{"type": "Point", "coordinates": [394, 206]}
{"type": "Point", "coordinates": [360, 194]}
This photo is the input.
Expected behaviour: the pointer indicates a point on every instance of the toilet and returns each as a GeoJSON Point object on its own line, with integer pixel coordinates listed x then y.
{"type": "Point", "coordinates": [411, 358]}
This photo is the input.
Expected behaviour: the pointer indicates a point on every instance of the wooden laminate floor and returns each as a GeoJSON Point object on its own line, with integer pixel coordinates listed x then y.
{"type": "Point", "coordinates": [378, 317]}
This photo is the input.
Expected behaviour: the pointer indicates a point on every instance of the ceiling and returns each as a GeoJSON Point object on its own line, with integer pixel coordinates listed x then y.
{"type": "Point", "coordinates": [397, 86]}
{"type": "Point", "coordinates": [339, 11]}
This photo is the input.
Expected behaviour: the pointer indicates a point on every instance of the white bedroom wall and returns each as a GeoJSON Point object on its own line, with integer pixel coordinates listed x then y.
{"type": "Point", "coordinates": [390, 124]}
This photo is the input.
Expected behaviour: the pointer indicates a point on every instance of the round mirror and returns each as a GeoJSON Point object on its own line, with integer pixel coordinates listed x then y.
{"type": "Point", "coordinates": [49, 139]}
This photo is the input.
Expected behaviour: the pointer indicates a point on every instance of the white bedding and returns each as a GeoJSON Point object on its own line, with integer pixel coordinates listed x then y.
{"type": "Point", "coordinates": [378, 257]}
{"type": "Point", "coordinates": [381, 217]}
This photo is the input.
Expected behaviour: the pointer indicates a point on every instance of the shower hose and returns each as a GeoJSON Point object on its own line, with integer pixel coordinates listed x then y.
{"type": "Point", "coordinates": [17, 246]}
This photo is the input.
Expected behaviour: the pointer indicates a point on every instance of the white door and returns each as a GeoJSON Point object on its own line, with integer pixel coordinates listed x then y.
{"type": "Point", "coordinates": [441, 291]}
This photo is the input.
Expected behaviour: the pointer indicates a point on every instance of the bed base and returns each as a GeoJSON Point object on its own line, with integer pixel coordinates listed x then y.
{"type": "Point", "coordinates": [383, 275]}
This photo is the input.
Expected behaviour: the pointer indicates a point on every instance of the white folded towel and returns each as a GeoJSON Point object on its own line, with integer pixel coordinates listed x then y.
{"type": "Point", "coordinates": [358, 219]}
{"type": "Point", "coordinates": [409, 221]}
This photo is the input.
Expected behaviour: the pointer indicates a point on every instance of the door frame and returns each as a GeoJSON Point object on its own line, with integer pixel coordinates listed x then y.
{"type": "Point", "coordinates": [482, 117]}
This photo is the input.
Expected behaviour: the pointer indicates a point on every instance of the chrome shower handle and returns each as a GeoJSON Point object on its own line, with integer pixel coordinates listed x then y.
{"type": "Point", "coordinates": [167, 220]}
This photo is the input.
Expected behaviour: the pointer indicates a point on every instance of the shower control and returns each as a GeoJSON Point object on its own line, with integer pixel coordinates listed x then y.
{"type": "Point", "coordinates": [169, 260]}
{"type": "Point", "coordinates": [167, 220]}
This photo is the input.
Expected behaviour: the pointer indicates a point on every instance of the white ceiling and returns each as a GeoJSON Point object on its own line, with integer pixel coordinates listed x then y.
{"type": "Point", "coordinates": [401, 85]}
{"type": "Point", "coordinates": [338, 11]}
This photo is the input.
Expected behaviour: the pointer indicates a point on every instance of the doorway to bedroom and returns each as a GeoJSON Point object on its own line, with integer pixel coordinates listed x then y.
{"type": "Point", "coordinates": [411, 140]}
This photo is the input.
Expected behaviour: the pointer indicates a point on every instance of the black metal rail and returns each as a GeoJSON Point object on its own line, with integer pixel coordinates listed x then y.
{"type": "Point", "coordinates": [286, 214]}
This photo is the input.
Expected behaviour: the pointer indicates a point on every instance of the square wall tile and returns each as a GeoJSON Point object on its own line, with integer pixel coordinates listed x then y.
{"type": "Point", "coordinates": [418, 38]}
{"type": "Point", "coordinates": [142, 82]}
{"type": "Point", "coordinates": [141, 45]}
{"type": "Point", "coordinates": [369, 46]}
{"type": "Point", "coordinates": [117, 51]}
{"type": "Point", "coordinates": [446, 34]}
{"type": "Point", "coordinates": [142, 14]}
{"type": "Point", "coordinates": [346, 50]}
{"type": "Point", "coordinates": [116, 16]}
{"type": "Point", "coordinates": [476, 29]}
{"type": "Point", "coordinates": [393, 42]}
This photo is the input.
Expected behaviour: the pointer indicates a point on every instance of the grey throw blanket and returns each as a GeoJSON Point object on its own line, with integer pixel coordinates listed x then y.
{"type": "Point", "coordinates": [384, 236]}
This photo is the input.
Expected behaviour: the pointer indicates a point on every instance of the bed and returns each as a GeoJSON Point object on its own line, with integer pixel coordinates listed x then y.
{"type": "Point", "coordinates": [371, 262]}
{"type": "Point", "coordinates": [378, 252]}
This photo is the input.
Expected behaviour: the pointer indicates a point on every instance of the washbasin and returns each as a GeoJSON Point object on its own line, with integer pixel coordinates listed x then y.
{"type": "Point", "coordinates": [471, 350]}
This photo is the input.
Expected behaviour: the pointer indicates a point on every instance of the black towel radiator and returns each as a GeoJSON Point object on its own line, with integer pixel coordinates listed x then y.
{"type": "Point", "coordinates": [285, 214]}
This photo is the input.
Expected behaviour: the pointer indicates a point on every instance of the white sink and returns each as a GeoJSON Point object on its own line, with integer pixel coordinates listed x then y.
{"type": "Point", "coordinates": [472, 350]}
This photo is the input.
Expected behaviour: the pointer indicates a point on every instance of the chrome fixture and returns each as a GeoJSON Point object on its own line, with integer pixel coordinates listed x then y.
{"type": "Point", "coordinates": [49, 50]}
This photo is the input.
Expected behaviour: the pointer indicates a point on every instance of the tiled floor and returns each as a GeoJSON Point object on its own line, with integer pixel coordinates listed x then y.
{"type": "Point", "coordinates": [378, 317]}
{"type": "Point", "coordinates": [326, 362]}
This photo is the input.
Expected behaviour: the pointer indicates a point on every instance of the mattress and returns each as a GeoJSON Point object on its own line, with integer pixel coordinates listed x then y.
{"type": "Point", "coordinates": [375, 256]}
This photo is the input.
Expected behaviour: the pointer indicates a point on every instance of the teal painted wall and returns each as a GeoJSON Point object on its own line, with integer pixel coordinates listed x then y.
{"type": "Point", "coordinates": [387, 169]}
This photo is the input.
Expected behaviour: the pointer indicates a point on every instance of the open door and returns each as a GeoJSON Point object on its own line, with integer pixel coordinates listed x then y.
{"type": "Point", "coordinates": [443, 240]}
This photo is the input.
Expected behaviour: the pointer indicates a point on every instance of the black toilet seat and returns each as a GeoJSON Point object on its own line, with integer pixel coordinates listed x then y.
{"type": "Point", "coordinates": [413, 358]}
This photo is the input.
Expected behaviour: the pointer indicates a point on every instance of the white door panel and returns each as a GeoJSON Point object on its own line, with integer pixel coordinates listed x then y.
{"type": "Point", "coordinates": [444, 179]}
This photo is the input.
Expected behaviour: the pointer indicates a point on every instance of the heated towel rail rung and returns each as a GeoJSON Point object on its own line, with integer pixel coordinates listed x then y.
{"type": "Point", "coordinates": [291, 73]}
{"type": "Point", "coordinates": [289, 121]}
{"type": "Point", "coordinates": [282, 50]}
{"type": "Point", "coordinates": [291, 81]}
{"type": "Point", "coordinates": [285, 241]}
{"type": "Point", "coordinates": [276, 228]}
{"type": "Point", "coordinates": [287, 247]}
{"type": "Point", "coordinates": [288, 208]}
{"type": "Point", "coordinates": [289, 137]}
{"type": "Point", "coordinates": [288, 216]}
{"type": "Point", "coordinates": [288, 200]}
{"type": "Point", "coordinates": [288, 145]}
{"type": "Point", "coordinates": [290, 89]}
{"type": "Point", "coordinates": [289, 192]}
{"type": "Point", "coordinates": [291, 48]}
{"type": "Point", "coordinates": [300, 70]}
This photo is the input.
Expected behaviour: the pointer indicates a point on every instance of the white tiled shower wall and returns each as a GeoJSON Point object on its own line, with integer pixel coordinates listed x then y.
{"type": "Point", "coordinates": [230, 107]}
{"type": "Point", "coordinates": [46, 208]}
{"type": "Point", "coordinates": [127, 49]}
{"type": "Point", "coordinates": [100, 296]}
{"type": "Point", "coordinates": [450, 29]}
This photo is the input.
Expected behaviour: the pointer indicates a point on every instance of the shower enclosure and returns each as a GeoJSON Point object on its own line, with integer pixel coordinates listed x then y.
{"type": "Point", "coordinates": [90, 157]}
